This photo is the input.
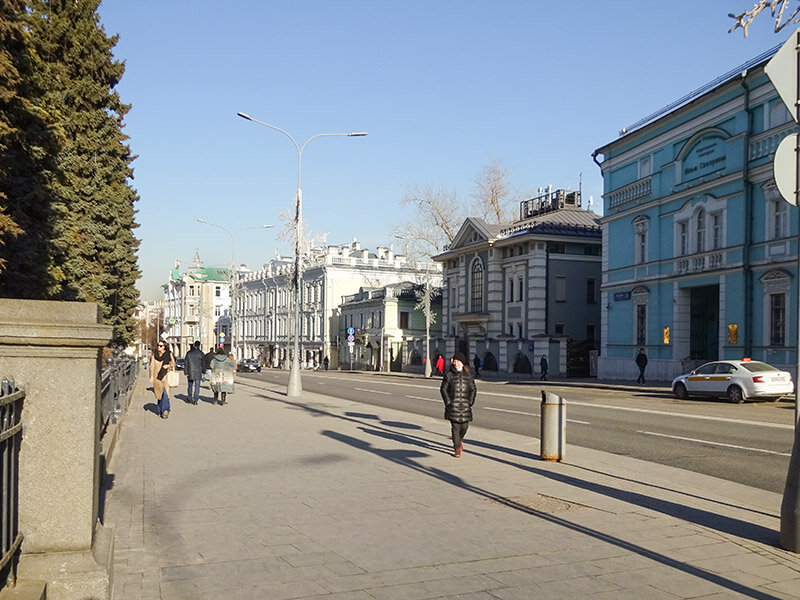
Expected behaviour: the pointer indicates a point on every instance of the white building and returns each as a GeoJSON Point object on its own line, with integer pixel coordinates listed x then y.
{"type": "Point", "coordinates": [194, 302]}
{"type": "Point", "coordinates": [263, 309]}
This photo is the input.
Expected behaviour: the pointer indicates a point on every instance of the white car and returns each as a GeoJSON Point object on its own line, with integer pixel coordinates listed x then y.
{"type": "Point", "coordinates": [738, 380]}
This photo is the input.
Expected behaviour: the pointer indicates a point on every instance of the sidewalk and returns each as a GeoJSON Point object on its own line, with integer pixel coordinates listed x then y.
{"type": "Point", "coordinates": [275, 498]}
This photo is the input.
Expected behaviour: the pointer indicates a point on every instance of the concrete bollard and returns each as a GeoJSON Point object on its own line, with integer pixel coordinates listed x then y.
{"type": "Point", "coordinates": [554, 427]}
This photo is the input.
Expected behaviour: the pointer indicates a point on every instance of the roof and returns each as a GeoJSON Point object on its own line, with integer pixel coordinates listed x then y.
{"type": "Point", "coordinates": [565, 221]}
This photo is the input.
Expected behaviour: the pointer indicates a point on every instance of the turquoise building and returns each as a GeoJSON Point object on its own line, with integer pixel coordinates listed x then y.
{"type": "Point", "coordinates": [699, 248]}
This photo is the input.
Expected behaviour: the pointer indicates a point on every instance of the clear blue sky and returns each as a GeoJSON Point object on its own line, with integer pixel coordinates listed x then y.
{"type": "Point", "coordinates": [442, 87]}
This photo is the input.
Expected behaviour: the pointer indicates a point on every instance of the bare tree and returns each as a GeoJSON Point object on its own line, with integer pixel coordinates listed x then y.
{"type": "Point", "coordinates": [493, 197]}
{"type": "Point", "coordinates": [436, 218]}
{"type": "Point", "coordinates": [777, 8]}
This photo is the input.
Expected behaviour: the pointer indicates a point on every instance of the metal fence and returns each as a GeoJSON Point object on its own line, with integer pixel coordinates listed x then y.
{"type": "Point", "coordinates": [11, 399]}
{"type": "Point", "coordinates": [116, 382]}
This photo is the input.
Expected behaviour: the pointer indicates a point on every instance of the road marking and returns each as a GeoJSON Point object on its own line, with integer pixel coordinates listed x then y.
{"type": "Point", "coordinates": [607, 406]}
{"type": "Point", "coordinates": [426, 399]}
{"type": "Point", "coordinates": [687, 439]}
{"type": "Point", "coordinates": [373, 391]}
{"type": "Point", "coordinates": [519, 412]}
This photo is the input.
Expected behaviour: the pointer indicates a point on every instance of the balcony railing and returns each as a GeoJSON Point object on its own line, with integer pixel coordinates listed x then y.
{"type": "Point", "coordinates": [766, 143]}
{"type": "Point", "coordinates": [11, 400]}
{"type": "Point", "coordinates": [636, 191]}
{"type": "Point", "coordinates": [710, 261]}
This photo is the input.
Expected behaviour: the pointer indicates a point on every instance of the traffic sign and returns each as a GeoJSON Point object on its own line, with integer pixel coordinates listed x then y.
{"type": "Point", "coordinates": [782, 72]}
{"type": "Point", "coordinates": [351, 338]}
{"type": "Point", "coordinates": [786, 168]}
{"type": "Point", "coordinates": [350, 331]}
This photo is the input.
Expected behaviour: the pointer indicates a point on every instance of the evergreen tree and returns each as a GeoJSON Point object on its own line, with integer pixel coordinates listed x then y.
{"type": "Point", "coordinates": [27, 149]}
{"type": "Point", "coordinates": [93, 201]}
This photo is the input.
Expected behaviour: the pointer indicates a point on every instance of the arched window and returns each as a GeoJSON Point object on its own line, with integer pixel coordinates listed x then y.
{"type": "Point", "coordinates": [476, 281]}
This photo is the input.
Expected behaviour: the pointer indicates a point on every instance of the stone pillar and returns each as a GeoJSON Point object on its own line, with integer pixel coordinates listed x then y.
{"type": "Point", "coordinates": [53, 350]}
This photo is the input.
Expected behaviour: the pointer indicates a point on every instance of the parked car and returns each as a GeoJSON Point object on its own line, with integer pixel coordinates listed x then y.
{"type": "Point", "coordinates": [180, 363]}
{"type": "Point", "coordinates": [249, 365]}
{"type": "Point", "coordinates": [738, 380]}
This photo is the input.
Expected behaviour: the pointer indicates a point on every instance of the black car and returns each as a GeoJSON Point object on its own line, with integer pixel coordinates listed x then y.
{"type": "Point", "coordinates": [180, 363]}
{"type": "Point", "coordinates": [249, 365]}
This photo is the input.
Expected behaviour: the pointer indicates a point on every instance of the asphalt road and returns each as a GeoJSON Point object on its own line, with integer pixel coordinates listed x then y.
{"type": "Point", "coordinates": [748, 443]}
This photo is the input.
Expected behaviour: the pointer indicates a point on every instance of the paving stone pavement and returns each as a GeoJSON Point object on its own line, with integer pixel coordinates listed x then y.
{"type": "Point", "coordinates": [321, 498]}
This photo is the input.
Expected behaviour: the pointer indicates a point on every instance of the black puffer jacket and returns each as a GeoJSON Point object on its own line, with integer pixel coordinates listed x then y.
{"type": "Point", "coordinates": [458, 392]}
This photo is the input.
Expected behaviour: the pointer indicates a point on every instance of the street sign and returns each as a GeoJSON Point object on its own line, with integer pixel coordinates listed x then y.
{"type": "Point", "coordinates": [351, 338]}
{"type": "Point", "coordinates": [786, 168]}
{"type": "Point", "coordinates": [782, 72]}
{"type": "Point", "coordinates": [350, 331]}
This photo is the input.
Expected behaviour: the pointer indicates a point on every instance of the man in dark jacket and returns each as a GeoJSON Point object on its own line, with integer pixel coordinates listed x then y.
{"type": "Point", "coordinates": [194, 372]}
{"type": "Point", "coordinates": [458, 392]}
{"type": "Point", "coordinates": [641, 362]}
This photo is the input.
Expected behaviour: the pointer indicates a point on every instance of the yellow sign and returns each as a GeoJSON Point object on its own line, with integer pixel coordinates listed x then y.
{"type": "Point", "coordinates": [666, 335]}
{"type": "Point", "coordinates": [733, 333]}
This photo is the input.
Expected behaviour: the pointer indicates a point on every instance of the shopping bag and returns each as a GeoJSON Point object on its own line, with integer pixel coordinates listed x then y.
{"type": "Point", "coordinates": [173, 378]}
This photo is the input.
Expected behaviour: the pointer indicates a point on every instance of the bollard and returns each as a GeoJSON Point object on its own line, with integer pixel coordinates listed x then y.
{"type": "Point", "coordinates": [554, 427]}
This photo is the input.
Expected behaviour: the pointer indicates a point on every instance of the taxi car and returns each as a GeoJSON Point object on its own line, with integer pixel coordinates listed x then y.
{"type": "Point", "coordinates": [737, 380]}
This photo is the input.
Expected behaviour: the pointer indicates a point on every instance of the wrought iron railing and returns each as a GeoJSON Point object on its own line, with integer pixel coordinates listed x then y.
{"type": "Point", "coordinates": [11, 399]}
{"type": "Point", "coordinates": [116, 383]}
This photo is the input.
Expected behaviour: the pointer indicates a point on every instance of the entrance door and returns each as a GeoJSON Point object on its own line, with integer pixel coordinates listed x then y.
{"type": "Point", "coordinates": [704, 333]}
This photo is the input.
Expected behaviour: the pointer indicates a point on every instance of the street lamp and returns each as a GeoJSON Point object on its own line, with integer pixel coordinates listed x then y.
{"type": "Point", "coordinates": [295, 386]}
{"type": "Point", "coordinates": [233, 266]}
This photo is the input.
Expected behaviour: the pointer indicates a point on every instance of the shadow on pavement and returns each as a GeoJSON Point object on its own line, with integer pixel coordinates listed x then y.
{"type": "Point", "coordinates": [406, 459]}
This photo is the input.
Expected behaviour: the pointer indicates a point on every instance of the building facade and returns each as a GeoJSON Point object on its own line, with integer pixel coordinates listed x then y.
{"type": "Point", "coordinates": [194, 302]}
{"type": "Point", "coordinates": [389, 328]}
{"type": "Point", "coordinates": [515, 292]}
{"type": "Point", "coordinates": [699, 249]}
{"type": "Point", "coordinates": [264, 309]}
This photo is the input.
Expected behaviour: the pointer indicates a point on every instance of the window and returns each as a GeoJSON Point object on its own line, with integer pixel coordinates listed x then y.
{"type": "Point", "coordinates": [403, 320]}
{"type": "Point", "coordinates": [191, 310]}
{"type": "Point", "coordinates": [217, 291]}
{"type": "Point", "coordinates": [683, 238]}
{"type": "Point", "coordinates": [591, 290]}
{"type": "Point", "coordinates": [700, 231]}
{"type": "Point", "coordinates": [716, 231]}
{"type": "Point", "coordinates": [559, 329]}
{"type": "Point", "coordinates": [777, 217]}
{"type": "Point", "coordinates": [641, 324]}
{"type": "Point", "coordinates": [640, 229]}
{"type": "Point", "coordinates": [561, 289]}
{"type": "Point", "coordinates": [217, 311]}
{"type": "Point", "coordinates": [590, 332]}
{"type": "Point", "coordinates": [519, 289]}
{"type": "Point", "coordinates": [477, 286]}
{"type": "Point", "coordinates": [777, 319]}
{"type": "Point", "coordinates": [191, 290]}
{"type": "Point", "coordinates": [510, 289]}
{"type": "Point", "coordinates": [645, 168]}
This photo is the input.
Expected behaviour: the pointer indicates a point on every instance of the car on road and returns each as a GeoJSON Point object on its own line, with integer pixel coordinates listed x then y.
{"type": "Point", "coordinates": [180, 364]}
{"type": "Point", "coordinates": [248, 365]}
{"type": "Point", "coordinates": [736, 380]}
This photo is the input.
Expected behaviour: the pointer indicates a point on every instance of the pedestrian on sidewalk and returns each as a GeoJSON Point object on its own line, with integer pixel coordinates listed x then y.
{"type": "Point", "coordinates": [161, 363]}
{"type": "Point", "coordinates": [440, 364]}
{"type": "Point", "coordinates": [641, 362]}
{"type": "Point", "coordinates": [194, 372]}
{"type": "Point", "coordinates": [207, 361]}
{"type": "Point", "coordinates": [477, 363]}
{"type": "Point", "coordinates": [458, 392]}
{"type": "Point", "coordinates": [222, 370]}
{"type": "Point", "coordinates": [543, 365]}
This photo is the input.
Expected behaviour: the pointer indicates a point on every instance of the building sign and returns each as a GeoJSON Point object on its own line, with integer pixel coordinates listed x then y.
{"type": "Point", "coordinates": [707, 156]}
{"type": "Point", "coordinates": [621, 296]}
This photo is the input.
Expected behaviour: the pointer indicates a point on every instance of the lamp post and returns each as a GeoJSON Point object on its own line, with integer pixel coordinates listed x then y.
{"type": "Point", "coordinates": [233, 266]}
{"type": "Point", "coordinates": [295, 386]}
{"type": "Point", "coordinates": [426, 309]}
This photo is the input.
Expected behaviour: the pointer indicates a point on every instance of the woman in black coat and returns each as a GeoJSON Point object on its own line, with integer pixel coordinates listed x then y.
{"type": "Point", "coordinates": [458, 392]}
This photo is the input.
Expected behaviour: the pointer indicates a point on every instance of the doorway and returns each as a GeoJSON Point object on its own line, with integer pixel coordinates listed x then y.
{"type": "Point", "coordinates": [704, 323]}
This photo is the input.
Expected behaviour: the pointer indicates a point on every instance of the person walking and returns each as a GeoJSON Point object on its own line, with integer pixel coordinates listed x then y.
{"type": "Point", "coordinates": [543, 365]}
{"type": "Point", "coordinates": [477, 363]}
{"type": "Point", "coordinates": [161, 363]}
{"type": "Point", "coordinates": [440, 364]}
{"type": "Point", "coordinates": [222, 370]}
{"type": "Point", "coordinates": [641, 362]}
{"type": "Point", "coordinates": [458, 392]}
{"type": "Point", "coordinates": [207, 359]}
{"type": "Point", "coordinates": [194, 372]}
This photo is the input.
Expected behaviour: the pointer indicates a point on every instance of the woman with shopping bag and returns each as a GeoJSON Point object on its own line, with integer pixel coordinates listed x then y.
{"type": "Point", "coordinates": [161, 364]}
